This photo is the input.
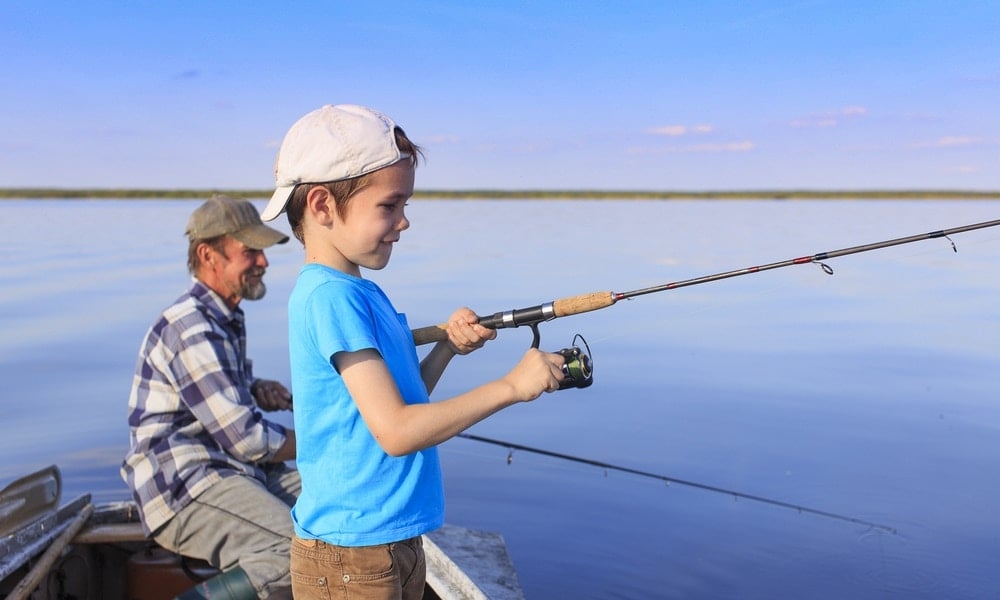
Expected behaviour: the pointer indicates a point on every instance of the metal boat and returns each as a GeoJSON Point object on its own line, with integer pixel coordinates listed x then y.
{"type": "Point", "coordinates": [80, 550]}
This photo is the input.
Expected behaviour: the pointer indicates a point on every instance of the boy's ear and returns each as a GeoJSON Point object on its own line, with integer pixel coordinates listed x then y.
{"type": "Point", "coordinates": [321, 204]}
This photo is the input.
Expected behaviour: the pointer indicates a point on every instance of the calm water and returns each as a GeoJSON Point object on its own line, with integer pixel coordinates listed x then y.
{"type": "Point", "coordinates": [872, 393]}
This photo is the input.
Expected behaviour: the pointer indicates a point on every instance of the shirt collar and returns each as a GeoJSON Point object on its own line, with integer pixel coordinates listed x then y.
{"type": "Point", "coordinates": [214, 303]}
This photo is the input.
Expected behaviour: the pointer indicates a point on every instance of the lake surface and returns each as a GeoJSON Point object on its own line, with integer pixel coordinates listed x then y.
{"type": "Point", "coordinates": [872, 394]}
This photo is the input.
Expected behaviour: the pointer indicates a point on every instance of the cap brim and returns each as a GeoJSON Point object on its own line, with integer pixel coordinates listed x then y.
{"type": "Point", "coordinates": [260, 236]}
{"type": "Point", "coordinates": [277, 204]}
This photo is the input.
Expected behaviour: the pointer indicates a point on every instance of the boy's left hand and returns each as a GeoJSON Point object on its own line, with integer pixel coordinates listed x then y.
{"type": "Point", "coordinates": [465, 334]}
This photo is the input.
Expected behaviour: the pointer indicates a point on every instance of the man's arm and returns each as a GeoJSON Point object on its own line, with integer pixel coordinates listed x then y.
{"type": "Point", "coordinates": [287, 450]}
{"type": "Point", "coordinates": [220, 402]}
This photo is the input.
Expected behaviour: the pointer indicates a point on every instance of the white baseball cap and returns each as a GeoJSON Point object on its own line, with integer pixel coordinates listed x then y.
{"type": "Point", "coordinates": [332, 143]}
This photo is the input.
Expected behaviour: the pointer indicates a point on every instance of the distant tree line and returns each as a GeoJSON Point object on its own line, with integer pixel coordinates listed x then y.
{"type": "Point", "coordinates": [879, 194]}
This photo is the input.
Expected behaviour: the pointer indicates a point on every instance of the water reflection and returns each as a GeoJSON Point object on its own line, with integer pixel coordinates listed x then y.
{"type": "Point", "coordinates": [871, 392]}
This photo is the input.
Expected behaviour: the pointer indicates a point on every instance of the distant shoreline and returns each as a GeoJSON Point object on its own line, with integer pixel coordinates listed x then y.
{"type": "Point", "coordinates": [97, 193]}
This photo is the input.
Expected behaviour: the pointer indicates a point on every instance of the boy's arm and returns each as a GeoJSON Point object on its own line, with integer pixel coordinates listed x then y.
{"type": "Point", "coordinates": [434, 364]}
{"type": "Point", "coordinates": [464, 335]}
{"type": "Point", "coordinates": [402, 428]}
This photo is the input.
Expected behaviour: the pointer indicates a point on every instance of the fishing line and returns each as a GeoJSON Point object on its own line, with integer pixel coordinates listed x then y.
{"type": "Point", "coordinates": [719, 304]}
{"type": "Point", "coordinates": [534, 315]}
{"type": "Point", "coordinates": [510, 446]}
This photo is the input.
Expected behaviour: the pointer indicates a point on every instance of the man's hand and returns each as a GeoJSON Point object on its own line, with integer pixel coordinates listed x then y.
{"type": "Point", "coordinates": [271, 395]}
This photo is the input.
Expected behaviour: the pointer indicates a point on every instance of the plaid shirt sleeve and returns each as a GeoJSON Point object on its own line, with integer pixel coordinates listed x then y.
{"type": "Point", "coordinates": [214, 383]}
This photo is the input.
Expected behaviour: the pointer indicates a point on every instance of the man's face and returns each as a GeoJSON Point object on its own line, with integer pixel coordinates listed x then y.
{"type": "Point", "coordinates": [239, 272]}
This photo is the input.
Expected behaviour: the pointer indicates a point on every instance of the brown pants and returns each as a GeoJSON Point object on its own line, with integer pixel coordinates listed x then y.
{"type": "Point", "coordinates": [395, 571]}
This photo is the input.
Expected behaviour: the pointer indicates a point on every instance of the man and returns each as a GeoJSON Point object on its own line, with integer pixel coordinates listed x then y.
{"type": "Point", "coordinates": [204, 465]}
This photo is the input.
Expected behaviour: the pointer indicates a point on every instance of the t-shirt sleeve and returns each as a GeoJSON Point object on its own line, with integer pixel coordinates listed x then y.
{"type": "Point", "coordinates": [342, 320]}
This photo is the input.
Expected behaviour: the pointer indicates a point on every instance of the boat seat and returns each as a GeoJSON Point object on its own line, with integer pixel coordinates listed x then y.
{"type": "Point", "coordinates": [103, 533]}
{"type": "Point", "coordinates": [118, 523]}
{"type": "Point", "coordinates": [151, 571]}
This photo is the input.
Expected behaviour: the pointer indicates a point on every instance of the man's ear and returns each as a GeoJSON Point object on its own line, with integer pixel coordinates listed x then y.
{"type": "Point", "coordinates": [209, 255]}
{"type": "Point", "coordinates": [206, 253]}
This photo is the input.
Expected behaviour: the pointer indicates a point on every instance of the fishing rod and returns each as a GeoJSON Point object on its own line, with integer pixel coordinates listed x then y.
{"type": "Point", "coordinates": [574, 305]}
{"type": "Point", "coordinates": [673, 480]}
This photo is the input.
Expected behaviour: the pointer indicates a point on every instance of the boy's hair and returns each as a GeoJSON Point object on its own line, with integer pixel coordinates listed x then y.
{"type": "Point", "coordinates": [344, 189]}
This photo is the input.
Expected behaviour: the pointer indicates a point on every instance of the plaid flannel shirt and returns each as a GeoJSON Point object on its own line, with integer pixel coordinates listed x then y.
{"type": "Point", "coordinates": [192, 418]}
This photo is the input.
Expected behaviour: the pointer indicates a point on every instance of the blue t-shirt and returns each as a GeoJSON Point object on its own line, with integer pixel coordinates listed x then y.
{"type": "Point", "coordinates": [353, 493]}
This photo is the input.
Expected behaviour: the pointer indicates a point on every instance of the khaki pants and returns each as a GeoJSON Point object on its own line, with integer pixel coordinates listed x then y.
{"type": "Point", "coordinates": [395, 571]}
{"type": "Point", "coordinates": [241, 522]}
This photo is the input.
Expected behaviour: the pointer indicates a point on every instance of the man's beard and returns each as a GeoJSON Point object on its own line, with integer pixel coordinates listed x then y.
{"type": "Point", "coordinates": [253, 291]}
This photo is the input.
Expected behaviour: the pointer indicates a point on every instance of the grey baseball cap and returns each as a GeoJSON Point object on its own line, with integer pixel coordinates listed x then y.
{"type": "Point", "coordinates": [223, 215]}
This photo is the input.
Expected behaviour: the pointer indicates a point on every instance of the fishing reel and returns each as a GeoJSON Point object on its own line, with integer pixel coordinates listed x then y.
{"type": "Point", "coordinates": [578, 370]}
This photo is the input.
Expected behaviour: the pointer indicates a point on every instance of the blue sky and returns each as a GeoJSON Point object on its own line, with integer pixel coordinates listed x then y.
{"type": "Point", "coordinates": [629, 95]}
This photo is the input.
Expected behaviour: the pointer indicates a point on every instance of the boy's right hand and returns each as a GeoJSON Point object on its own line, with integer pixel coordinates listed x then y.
{"type": "Point", "coordinates": [537, 372]}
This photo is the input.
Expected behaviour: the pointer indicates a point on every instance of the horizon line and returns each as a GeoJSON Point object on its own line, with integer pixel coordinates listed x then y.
{"type": "Point", "coordinates": [774, 193]}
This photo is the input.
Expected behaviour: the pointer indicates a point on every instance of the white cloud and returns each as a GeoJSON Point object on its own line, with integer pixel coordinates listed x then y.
{"type": "Point", "coordinates": [952, 141]}
{"type": "Point", "coordinates": [830, 118]}
{"type": "Point", "coordinates": [957, 140]}
{"type": "Point", "coordinates": [814, 122]}
{"type": "Point", "coordinates": [669, 130]}
{"type": "Point", "coordinates": [741, 146]}
{"type": "Point", "coordinates": [681, 130]}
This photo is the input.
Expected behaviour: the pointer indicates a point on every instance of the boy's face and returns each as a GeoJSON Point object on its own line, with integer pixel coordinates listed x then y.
{"type": "Point", "coordinates": [374, 219]}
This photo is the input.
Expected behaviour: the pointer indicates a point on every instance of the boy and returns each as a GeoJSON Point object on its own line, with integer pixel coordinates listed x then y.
{"type": "Point", "coordinates": [371, 480]}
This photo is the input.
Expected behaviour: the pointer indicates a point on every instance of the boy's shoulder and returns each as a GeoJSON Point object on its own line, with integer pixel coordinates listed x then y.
{"type": "Point", "coordinates": [319, 273]}
{"type": "Point", "coordinates": [315, 278]}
